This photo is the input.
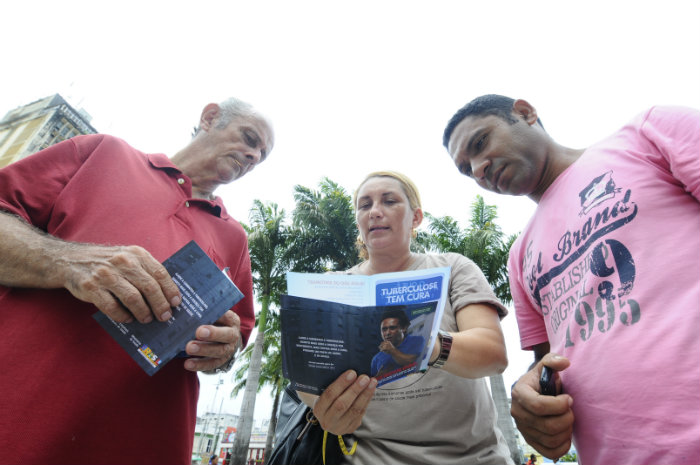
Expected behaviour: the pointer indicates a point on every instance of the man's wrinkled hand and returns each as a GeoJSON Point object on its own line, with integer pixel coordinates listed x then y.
{"type": "Point", "coordinates": [123, 282]}
{"type": "Point", "coordinates": [214, 344]}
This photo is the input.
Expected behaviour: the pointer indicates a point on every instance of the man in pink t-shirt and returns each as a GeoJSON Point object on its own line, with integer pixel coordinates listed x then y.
{"type": "Point", "coordinates": [605, 277]}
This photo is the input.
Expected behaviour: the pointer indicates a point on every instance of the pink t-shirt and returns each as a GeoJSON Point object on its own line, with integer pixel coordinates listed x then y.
{"type": "Point", "coordinates": [608, 271]}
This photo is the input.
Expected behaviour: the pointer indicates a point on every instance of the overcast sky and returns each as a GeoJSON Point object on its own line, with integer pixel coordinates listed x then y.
{"type": "Point", "coordinates": [352, 87]}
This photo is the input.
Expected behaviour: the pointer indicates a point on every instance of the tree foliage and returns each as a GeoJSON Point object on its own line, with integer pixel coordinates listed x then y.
{"type": "Point", "coordinates": [321, 238]}
{"type": "Point", "coordinates": [269, 248]}
{"type": "Point", "coordinates": [324, 230]}
{"type": "Point", "coordinates": [268, 244]}
{"type": "Point", "coordinates": [570, 457]}
{"type": "Point", "coordinates": [482, 241]}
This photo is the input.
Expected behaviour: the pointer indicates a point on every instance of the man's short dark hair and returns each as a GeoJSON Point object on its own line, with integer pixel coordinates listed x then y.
{"type": "Point", "coordinates": [486, 105]}
{"type": "Point", "coordinates": [399, 314]}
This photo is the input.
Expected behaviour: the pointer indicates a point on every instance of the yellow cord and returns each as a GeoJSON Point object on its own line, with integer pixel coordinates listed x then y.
{"type": "Point", "coordinates": [323, 451]}
{"type": "Point", "coordinates": [343, 448]}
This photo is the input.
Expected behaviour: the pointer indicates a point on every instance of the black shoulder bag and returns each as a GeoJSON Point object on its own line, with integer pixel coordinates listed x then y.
{"type": "Point", "coordinates": [300, 440]}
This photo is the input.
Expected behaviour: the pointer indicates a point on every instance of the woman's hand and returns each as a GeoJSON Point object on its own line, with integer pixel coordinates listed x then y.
{"type": "Point", "coordinates": [341, 407]}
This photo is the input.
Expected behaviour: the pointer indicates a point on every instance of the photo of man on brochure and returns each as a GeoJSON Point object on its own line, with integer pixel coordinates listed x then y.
{"type": "Point", "coordinates": [398, 348]}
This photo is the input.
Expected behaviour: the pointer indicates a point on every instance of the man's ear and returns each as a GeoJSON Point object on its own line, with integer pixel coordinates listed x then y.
{"type": "Point", "coordinates": [526, 111]}
{"type": "Point", "coordinates": [209, 115]}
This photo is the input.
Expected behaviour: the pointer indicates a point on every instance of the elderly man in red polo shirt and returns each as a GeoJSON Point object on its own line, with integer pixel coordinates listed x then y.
{"type": "Point", "coordinates": [84, 226]}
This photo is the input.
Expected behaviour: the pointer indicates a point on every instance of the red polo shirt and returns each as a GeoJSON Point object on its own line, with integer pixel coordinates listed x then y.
{"type": "Point", "coordinates": [68, 393]}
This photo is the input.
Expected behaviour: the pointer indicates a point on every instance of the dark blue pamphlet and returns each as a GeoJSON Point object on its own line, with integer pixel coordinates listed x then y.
{"type": "Point", "coordinates": [322, 339]}
{"type": "Point", "coordinates": [207, 293]}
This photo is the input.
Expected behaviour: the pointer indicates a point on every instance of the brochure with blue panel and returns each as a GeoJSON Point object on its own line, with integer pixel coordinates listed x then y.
{"type": "Point", "coordinates": [207, 293]}
{"type": "Point", "coordinates": [335, 322]}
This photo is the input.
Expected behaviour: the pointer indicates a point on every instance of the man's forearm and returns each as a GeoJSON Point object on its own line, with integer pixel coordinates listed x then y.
{"type": "Point", "coordinates": [121, 281]}
{"type": "Point", "coordinates": [27, 254]}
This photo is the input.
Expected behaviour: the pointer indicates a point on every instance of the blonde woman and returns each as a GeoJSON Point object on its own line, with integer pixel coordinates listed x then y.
{"type": "Point", "coordinates": [445, 415]}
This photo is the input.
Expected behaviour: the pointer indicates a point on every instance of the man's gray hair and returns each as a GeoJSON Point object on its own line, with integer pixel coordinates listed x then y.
{"type": "Point", "coordinates": [235, 108]}
{"type": "Point", "coordinates": [232, 108]}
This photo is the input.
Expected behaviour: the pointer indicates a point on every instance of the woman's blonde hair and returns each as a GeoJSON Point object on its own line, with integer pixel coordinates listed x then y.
{"type": "Point", "coordinates": [408, 187]}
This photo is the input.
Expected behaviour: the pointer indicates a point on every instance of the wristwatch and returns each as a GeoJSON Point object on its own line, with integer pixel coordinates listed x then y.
{"type": "Point", "coordinates": [226, 367]}
{"type": "Point", "coordinates": [445, 346]}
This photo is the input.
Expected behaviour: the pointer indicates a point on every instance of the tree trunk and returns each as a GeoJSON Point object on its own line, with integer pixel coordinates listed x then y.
{"type": "Point", "coordinates": [239, 452]}
{"type": "Point", "coordinates": [273, 424]}
{"type": "Point", "coordinates": [505, 423]}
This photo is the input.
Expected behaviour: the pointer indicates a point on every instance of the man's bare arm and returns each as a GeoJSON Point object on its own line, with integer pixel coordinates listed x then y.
{"type": "Point", "coordinates": [124, 282]}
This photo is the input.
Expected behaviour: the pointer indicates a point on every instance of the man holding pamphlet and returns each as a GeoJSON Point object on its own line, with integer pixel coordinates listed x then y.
{"type": "Point", "coordinates": [85, 225]}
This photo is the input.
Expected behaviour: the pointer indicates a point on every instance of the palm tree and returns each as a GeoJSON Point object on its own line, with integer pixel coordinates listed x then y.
{"type": "Point", "coordinates": [267, 243]}
{"type": "Point", "coordinates": [322, 239]}
{"type": "Point", "coordinates": [484, 244]}
{"type": "Point", "coordinates": [324, 228]}
{"type": "Point", "coordinates": [270, 373]}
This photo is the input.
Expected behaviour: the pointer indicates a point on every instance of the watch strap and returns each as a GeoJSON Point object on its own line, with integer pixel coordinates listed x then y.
{"type": "Point", "coordinates": [445, 346]}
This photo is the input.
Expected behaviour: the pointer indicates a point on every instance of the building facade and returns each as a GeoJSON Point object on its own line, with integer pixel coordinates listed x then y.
{"type": "Point", "coordinates": [35, 126]}
{"type": "Point", "coordinates": [215, 433]}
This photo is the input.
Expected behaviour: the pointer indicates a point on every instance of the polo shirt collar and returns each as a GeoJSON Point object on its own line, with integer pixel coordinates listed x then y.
{"type": "Point", "coordinates": [161, 161]}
